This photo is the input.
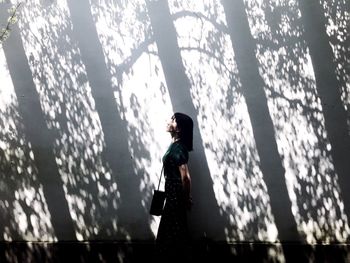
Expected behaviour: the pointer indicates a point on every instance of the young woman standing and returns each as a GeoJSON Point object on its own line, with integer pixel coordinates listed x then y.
{"type": "Point", "coordinates": [172, 237]}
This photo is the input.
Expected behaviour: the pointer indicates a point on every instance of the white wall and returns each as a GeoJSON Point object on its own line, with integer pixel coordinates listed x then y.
{"type": "Point", "coordinates": [86, 90]}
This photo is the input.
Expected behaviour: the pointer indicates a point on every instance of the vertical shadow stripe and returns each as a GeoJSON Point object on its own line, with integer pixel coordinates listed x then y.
{"type": "Point", "coordinates": [39, 135]}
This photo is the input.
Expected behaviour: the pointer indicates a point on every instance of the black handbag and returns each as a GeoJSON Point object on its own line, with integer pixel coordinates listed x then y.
{"type": "Point", "coordinates": [158, 200]}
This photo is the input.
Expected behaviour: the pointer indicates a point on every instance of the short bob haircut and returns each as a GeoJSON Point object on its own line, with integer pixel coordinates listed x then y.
{"type": "Point", "coordinates": [185, 126]}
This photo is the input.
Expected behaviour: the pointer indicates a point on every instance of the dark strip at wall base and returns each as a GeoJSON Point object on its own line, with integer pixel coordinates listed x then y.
{"type": "Point", "coordinates": [201, 251]}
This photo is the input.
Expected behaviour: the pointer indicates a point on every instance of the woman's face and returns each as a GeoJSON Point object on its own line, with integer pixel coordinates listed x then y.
{"type": "Point", "coordinates": [172, 125]}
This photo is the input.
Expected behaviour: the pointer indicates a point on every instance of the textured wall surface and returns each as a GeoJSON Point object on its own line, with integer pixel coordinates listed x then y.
{"type": "Point", "coordinates": [86, 89]}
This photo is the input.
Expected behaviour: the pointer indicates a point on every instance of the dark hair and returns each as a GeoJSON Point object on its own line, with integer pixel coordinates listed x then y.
{"type": "Point", "coordinates": [185, 126]}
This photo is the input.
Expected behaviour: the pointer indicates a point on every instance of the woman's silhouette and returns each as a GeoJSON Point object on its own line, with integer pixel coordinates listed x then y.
{"type": "Point", "coordinates": [172, 238]}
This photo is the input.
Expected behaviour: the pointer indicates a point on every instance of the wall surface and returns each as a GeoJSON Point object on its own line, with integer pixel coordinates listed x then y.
{"type": "Point", "coordinates": [86, 89]}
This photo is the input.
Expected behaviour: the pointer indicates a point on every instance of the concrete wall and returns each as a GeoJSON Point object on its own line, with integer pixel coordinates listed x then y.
{"type": "Point", "coordinates": [87, 87]}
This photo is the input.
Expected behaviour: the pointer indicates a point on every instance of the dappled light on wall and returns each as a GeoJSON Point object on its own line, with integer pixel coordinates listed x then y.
{"type": "Point", "coordinates": [24, 213]}
{"type": "Point", "coordinates": [139, 87]}
{"type": "Point", "coordinates": [102, 80]}
{"type": "Point", "coordinates": [223, 120]}
{"type": "Point", "coordinates": [295, 107]}
{"type": "Point", "coordinates": [337, 13]}
{"type": "Point", "coordinates": [69, 109]}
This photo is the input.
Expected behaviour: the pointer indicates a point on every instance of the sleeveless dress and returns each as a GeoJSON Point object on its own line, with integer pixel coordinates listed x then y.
{"type": "Point", "coordinates": [172, 236]}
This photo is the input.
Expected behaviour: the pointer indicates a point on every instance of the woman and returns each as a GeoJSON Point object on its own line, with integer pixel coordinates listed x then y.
{"type": "Point", "coordinates": [172, 237]}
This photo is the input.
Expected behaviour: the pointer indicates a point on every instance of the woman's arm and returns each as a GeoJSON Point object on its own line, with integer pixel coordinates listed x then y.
{"type": "Point", "coordinates": [186, 183]}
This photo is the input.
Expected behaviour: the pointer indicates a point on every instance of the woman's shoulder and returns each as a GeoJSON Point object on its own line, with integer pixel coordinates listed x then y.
{"type": "Point", "coordinates": [180, 153]}
{"type": "Point", "coordinates": [179, 146]}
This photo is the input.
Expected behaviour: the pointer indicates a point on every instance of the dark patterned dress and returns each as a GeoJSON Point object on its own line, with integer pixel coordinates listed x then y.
{"type": "Point", "coordinates": [172, 237]}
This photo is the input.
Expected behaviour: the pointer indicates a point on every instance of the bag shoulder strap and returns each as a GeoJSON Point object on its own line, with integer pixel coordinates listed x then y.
{"type": "Point", "coordinates": [160, 178]}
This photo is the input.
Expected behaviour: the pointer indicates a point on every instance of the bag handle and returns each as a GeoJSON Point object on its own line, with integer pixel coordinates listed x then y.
{"type": "Point", "coordinates": [160, 178]}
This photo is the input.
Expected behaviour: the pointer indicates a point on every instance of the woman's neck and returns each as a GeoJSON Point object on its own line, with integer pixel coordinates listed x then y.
{"type": "Point", "coordinates": [175, 138]}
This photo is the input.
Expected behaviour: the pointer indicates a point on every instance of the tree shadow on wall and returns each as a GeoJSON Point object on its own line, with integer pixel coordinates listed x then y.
{"type": "Point", "coordinates": [325, 70]}
{"type": "Point", "coordinates": [45, 189]}
{"type": "Point", "coordinates": [69, 115]}
{"type": "Point", "coordinates": [285, 64]}
{"type": "Point", "coordinates": [132, 216]}
{"type": "Point", "coordinates": [142, 36]}
{"type": "Point", "coordinates": [291, 71]}
{"type": "Point", "coordinates": [300, 123]}
{"type": "Point", "coordinates": [262, 124]}
{"type": "Point", "coordinates": [135, 98]}
{"type": "Point", "coordinates": [24, 211]}
{"type": "Point", "coordinates": [75, 125]}
{"type": "Point", "coordinates": [336, 13]}
{"type": "Point", "coordinates": [222, 114]}
{"type": "Point", "coordinates": [179, 87]}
